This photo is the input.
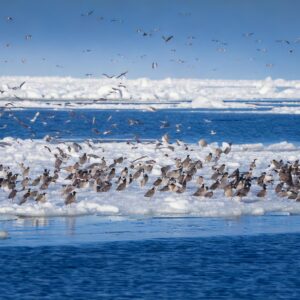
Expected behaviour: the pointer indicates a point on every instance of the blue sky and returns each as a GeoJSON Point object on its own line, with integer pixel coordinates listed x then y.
{"type": "Point", "coordinates": [230, 39]}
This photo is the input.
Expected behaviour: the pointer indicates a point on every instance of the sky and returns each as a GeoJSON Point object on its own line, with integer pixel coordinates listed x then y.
{"type": "Point", "coordinates": [220, 39]}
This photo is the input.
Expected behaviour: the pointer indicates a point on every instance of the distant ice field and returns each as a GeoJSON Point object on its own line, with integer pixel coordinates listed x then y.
{"type": "Point", "coordinates": [271, 95]}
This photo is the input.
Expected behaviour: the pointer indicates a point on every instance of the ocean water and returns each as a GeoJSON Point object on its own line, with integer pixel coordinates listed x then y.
{"type": "Point", "coordinates": [194, 258]}
{"type": "Point", "coordinates": [151, 258]}
{"type": "Point", "coordinates": [236, 127]}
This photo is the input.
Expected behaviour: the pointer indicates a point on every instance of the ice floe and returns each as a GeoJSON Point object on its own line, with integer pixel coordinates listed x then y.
{"type": "Point", "coordinates": [36, 154]}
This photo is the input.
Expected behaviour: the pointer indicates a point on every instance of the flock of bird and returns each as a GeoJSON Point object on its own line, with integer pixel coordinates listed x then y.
{"type": "Point", "coordinates": [220, 45]}
{"type": "Point", "coordinates": [184, 175]}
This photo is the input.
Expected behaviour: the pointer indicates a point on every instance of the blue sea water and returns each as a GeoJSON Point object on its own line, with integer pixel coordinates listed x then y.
{"type": "Point", "coordinates": [242, 127]}
{"type": "Point", "coordinates": [186, 258]}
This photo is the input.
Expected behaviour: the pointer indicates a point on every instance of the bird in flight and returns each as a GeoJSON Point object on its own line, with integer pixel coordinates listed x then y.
{"type": "Point", "coordinates": [87, 14]}
{"type": "Point", "coordinates": [122, 74]}
{"type": "Point", "coordinates": [154, 65]}
{"type": "Point", "coordinates": [167, 38]}
{"type": "Point", "coordinates": [17, 87]}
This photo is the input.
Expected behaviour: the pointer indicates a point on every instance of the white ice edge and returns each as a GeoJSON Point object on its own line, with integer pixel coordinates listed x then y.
{"type": "Point", "coordinates": [131, 202]}
{"type": "Point", "coordinates": [143, 92]}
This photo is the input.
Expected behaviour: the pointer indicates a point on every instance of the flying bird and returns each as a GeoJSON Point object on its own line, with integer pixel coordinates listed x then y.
{"type": "Point", "coordinates": [122, 74]}
{"type": "Point", "coordinates": [154, 65]}
{"type": "Point", "coordinates": [17, 87]}
{"type": "Point", "coordinates": [167, 38]}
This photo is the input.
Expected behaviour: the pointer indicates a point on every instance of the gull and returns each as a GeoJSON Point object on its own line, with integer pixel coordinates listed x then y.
{"type": "Point", "coordinates": [178, 127]}
{"type": "Point", "coordinates": [164, 124]}
{"type": "Point", "coordinates": [89, 13]}
{"type": "Point", "coordinates": [165, 138]}
{"type": "Point", "coordinates": [119, 91]}
{"type": "Point", "coordinates": [116, 21]}
{"type": "Point", "coordinates": [35, 117]}
{"type": "Point", "coordinates": [151, 108]}
{"type": "Point", "coordinates": [248, 34]}
{"type": "Point", "coordinates": [154, 65]}
{"type": "Point", "coordinates": [212, 132]}
{"type": "Point", "coordinates": [283, 41]}
{"type": "Point", "coordinates": [9, 19]}
{"type": "Point", "coordinates": [122, 74]}
{"type": "Point", "coordinates": [107, 132]}
{"type": "Point", "coordinates": [28, 37]}
{"type": "Point", "coordinates": [17, 87]}
{"type": "Point", "coordinates": [167, 38]}
{"type": "Point", "coordinates": [108, 76]}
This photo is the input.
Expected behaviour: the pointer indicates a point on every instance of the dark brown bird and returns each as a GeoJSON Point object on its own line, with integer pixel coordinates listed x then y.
{"type": "Point", "coordinates": [150, 192]}
{"type": "Point", "coordinates": [12, 194]}
{"type": "Point", "coordinates": [122, 185]}
{"type": "Point", "coordinates": [263, 192]}
{"type": "Point", "coordinates": [25, 197]}
{"type": "Point", "coordinates": [71, 198]}
{"type": "Point", "coordinates": [208, 194]}
{"type": "Point", "coordinates": [157, 182]}
{"type": "Point", "coordinates": [41, 198]}
{"type": "Point", "coordinates": [144, 181]}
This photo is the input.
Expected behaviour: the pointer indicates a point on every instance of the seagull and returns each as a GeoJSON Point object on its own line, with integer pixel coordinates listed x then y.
{"type": "Point", "coordinates": [15, 88]}
{"type": "Point", "coordinates": [167, 38]}
{"type": "Point", "coordinates": [89, 13]}
{"type": "Point", "coordinates": [35, 117]}
{"type": "Point", "coordinates": [122, 74]}
{"type": "Point", "coordinates": [108, 76]}
{"type": "Point", "coordinates": [154, 65]}
{"type": "Point", "coordinates": [248, 34]}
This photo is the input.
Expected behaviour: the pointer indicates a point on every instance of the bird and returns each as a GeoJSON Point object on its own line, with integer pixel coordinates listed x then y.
{"type": "Point", "coordinates": [150, 192]}
{"type": "Point", "coordinates": [41, 198]}
{"type": "Point", "coordinates": [71, 198]}
{"type": "Point", "coordinates": [263, 192]}
{"type": "Point", "coordinates": [154, 65]}
{"type": "Point", "coordinates": [12, 194]}
{"type": "Point", "coordinates": [18, 87]}
{"type": "Point", "coordinates": [144, 180]}
{"type": "Point", "coordinates": [25, 197]}
{"type": "Point", "coordinates": [122, 74]}
{"type": "Point", "coordinates": [202, 143]}
{"type": "Point", "coordinates": [157, 182]}
{"type": "Point", "coordinates": [122, 185]}
{"type": "Point", "coordinates": [167, 38]}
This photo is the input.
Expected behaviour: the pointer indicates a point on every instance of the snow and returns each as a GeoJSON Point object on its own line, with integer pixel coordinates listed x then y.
{"type": "Point", "coordinates": [131, 201]}
{"type": "Point", "coordinates": [61, 92]}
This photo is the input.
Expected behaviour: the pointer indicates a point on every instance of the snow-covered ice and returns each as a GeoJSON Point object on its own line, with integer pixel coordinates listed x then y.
{"type": "Point", "coordinates": [140, 93]}
{"type": "Point", "coordinates": [132, 200]}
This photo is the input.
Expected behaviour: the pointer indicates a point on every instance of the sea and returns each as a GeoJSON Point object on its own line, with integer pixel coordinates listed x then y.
{"type": "Point", "coordinates": [151, 257]}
